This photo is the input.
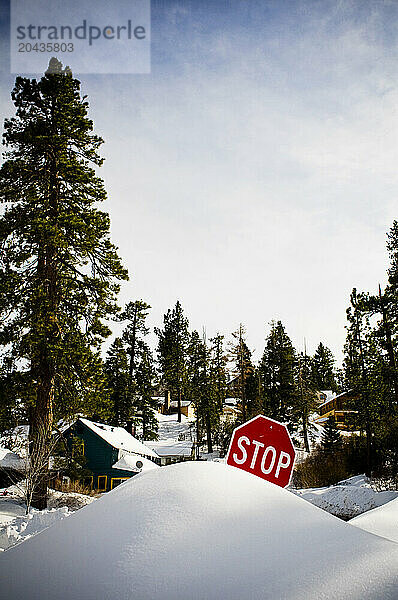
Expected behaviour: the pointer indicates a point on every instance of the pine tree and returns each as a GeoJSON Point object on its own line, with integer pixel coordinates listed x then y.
{"type": "Point", "coordinates": [362, 362]}
{"type": "Point", "coordinates": [305, 396]}
{"type": "Point", "coordinates": [242, 369]}
{"type": "Point", "coordinates": [331, 441]}
{"type": "Point", "coordinates": [172, 352]}
{"type": "Point", "coordinates": [195, 377]}
{"type": "Point", "coordinates": [117, 380]}
{"type": "Point", "coordinates": [135, 332]}
{"type": "Point", "coordinates": [218, 370]}
{"type": "Point", "coordinates": [276, 372]}
{"type": "Point", "coordinates": [58, 268]}
{"type": "Point", "coordinates": [145, 376]}
{"type": "Point", "coordinates": [323, 369]}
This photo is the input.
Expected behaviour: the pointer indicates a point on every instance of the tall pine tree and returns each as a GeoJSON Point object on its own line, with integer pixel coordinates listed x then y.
{"type": "Point", "coordinates": [276, 371]}
{"type": "Point", "coordinates": [172, 352]}
{"type": "Point", "coordinates": [322, 364]}
{"type": "Point", "coordinates": [58, 267]}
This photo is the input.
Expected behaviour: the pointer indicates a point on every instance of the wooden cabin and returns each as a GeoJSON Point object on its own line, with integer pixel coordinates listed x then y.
{"type": "Point", "coordinates": [338, 407]}
{"type": "Point", "coordinates": [112, 453]}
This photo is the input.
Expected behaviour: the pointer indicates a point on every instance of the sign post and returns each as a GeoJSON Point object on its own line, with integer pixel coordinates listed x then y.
{"type": "Point", "coordinates": [263, 447]}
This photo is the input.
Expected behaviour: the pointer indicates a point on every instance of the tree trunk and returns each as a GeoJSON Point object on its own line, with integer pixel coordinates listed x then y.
{"type": "Point", "coordinates": [40, 433]}
{"type": "Point", "coordinates": [132, 349]}
{"type": "Point", "coordinates": [179, 405]}
{"type": "Point", "coordinates": [305, 432]}
{"type": "Point", "coordinates": [46, 332]}
{"type": "Point", "coordinates": [369, 462]}
{"type": "Point", "coordinates": [208, 434]}
{"type": "Point", "coordinates": [389, 347]}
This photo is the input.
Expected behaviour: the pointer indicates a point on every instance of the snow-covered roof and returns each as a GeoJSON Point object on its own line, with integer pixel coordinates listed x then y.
{"type": "Point", "coordinates": [119, 438]}
{"type": "Point", "coordinates": [130, 462]}
{"type": "Point", "coordinates": [346, 393]}
{"type": "Point", "coordinates": [11, 460]}
{"type": "Point", "coordinates": [171, 447]}
{"type": "Point", "coordinates": [174, 403]}
{"type": "Point", "coordinates": [231, 401]}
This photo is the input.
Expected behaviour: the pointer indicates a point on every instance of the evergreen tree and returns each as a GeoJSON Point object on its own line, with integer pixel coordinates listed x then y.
{"type": "Point", "coordinates": [276, 372]}
{"type": "Point", "coordinates": [195, 388]}
{"type": "Point", "coordinates": [172, 352]}
{"type": "Point", "coordinates": [117, 378]}
{"type": "Point", "coordinates": [305, 396]}
{"type": "Point", "coordinates": [242, 369]}
{"type": "Point", "coordinates": [362, 368]}
{"type": "Point", "coordinates": [218, 368]}
{"type": "Point", "coordinates": [323, 374]}
{"type": "Point", "coordinates": [331, 441]}
{"type": "Point", "coordinates": [135, 332]}
{"type": "Point", "coordinates": [58, 268]}
{"type": "Point", "coordinates": [146, 375]}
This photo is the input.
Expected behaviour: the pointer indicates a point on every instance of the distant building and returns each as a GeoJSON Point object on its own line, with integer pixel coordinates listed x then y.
{"type": "Point", "coordinates": [173, 451]}
{"type": "Point", "coordinates": [338, 407]}
{"type": "Point", "coordinates": [169, 407]}
{"type": "Point", "coordinates": [112, 453]}
{"type": "Point", "coordinates": [187, 408]}
{"type": "Point", "coordinates": [324, 395]}
{"type": "Point", "coordinates": [230, 410]}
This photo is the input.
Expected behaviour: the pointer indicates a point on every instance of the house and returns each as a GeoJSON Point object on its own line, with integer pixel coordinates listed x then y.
{"type": "Point", "coordinates": [112, 453]}
{"type": "Point", "coordinates": [12, 467]}
{"type": "Point", "coordinates": [187, 408]}
{"type": "Point", "coordinates": [170, 407]}
{"type": "Point", "coordinates": [323, 396]}
{"type": "Point", "coordinates": [230, 410]}
{"type": "Point", "coordinates": [338, 408]}
{"type": "Point", "coordinates": [173, 451]}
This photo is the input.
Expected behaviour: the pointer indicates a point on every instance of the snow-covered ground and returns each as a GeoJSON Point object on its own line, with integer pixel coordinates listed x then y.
{"type": "Point", "coordinates": [16, 526]}
{"type": "Point", "coordinates": [381, 521]}
{"type": "Point", "coordinates": [170, 428]}
{"type": "Point", "coordinates": [348, 498]}
{"type": "Point", "coordinates": [201, 530]}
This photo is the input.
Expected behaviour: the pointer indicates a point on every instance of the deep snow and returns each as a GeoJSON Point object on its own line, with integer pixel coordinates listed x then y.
{"type": "Point", "coordinates": [380, 521]}
{"type": "Point", "coordinates": [348, 498]}
{"type": "Point", "coordinates": [201, 530]}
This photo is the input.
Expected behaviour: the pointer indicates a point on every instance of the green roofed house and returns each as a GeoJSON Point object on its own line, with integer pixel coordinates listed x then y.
{"type": "Point", "coordinates": [112, 453]}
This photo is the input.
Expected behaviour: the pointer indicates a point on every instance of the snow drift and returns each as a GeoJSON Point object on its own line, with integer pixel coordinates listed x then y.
{"type": "Point", "coordinates": [381, 521]}
{"type": "Point", "coordinates": [347, 499]}
{"type": "Point", "coordinates": [201, 531]}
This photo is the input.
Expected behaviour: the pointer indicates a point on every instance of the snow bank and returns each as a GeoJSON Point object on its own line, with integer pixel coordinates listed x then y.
{"type": "Point", "coordinates": [381, 521]}
{"type": "Point", "coordinates": [347, 499]}
{"type": "Point", "coordinates": [16, 526]}
{"type": "Point", "coordinates": [201, 530]}
{"type": "Point", "coordinates": [24, 527]}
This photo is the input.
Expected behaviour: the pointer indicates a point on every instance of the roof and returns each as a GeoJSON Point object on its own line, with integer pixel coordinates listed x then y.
{"type": "Point", "coordinates": [11, 460]}
{"type": "Point", "coordinates": [346, 393]}
{"type": "Point", "coordinates": [174, 403]}
{"type": "Point", "coordinates": [231, 401]}
{"type": "Point", "coordinates": [171, 447]}
{"type": "Point", "coordinates": [119, 438]}
{"type": "Point", "coordinates": [129, 462]}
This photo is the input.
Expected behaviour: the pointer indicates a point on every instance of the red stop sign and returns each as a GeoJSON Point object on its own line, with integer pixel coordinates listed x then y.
{"type": "Point", "coordinates": [263, 447]}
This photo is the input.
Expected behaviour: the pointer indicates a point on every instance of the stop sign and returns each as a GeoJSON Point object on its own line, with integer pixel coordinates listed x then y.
{"type": "Point", "coordinates": [263, 447]}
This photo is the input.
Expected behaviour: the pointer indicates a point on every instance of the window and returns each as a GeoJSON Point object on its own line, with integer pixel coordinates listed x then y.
{"type": "Point", "coordinates": [102, 479]}
{"type": "Point", "coordinates": [115, 481]}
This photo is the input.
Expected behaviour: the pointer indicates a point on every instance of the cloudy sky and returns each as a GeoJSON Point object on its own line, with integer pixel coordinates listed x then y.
{"type": "Point", "coordinates": [253, 173]}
